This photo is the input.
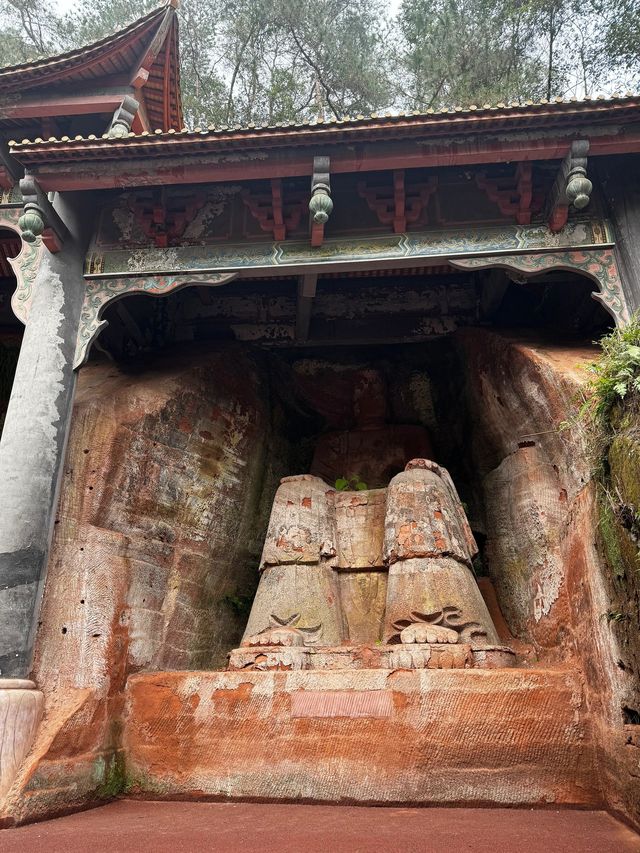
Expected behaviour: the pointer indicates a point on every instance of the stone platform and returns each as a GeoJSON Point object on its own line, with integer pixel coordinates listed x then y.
{"type": "Point", "coordinates": [499, 736]}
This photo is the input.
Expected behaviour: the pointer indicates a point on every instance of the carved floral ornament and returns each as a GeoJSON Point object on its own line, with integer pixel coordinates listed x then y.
{"type": "Point", "coordinates": [100, 292]}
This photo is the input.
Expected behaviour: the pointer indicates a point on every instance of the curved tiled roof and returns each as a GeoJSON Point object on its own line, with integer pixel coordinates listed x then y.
{"type": "Point", "coordinates": [432, 123]}
{"type": "Point", "coordinates": [117, 53]}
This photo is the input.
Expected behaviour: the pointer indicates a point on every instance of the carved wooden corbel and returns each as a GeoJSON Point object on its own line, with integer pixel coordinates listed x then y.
{"type": "Point", "coordinates": [571, 187]}
{"type": "Point", "coordinates": [516, 200]}
{"type": "Point", "coordinates": [39, 217]}
{"type": "Point", "coordinates": [272, 212]}
{"type": "Point", "coordinates": [400, 206]}
{"type": "Point", "coordinates": [123, 118]}
{"type": "Point", "coordinates": [320, 203]}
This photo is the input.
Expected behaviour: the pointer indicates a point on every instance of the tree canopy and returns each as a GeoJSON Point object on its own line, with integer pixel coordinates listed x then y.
{"type": "Point", "coordinates": [269, 61]}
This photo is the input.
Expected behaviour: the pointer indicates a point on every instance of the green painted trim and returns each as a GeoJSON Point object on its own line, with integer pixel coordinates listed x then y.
{"type": "Point", "coordinates": [290, 255]}
{"type": "Point", "coordinates": [599, 265]}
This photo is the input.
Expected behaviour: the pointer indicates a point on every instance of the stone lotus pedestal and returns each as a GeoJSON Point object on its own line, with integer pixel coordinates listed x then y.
{"type": "Point", "coordinates": [377, 579]}
{"type": "Point", "coordinates": [21, 709]}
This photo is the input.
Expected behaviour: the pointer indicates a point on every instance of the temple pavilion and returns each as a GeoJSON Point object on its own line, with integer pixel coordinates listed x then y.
{"type": "Point", "coordinates": [189, 314]}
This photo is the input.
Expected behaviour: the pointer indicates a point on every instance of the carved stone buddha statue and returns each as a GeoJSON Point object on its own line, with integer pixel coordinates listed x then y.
{"type": "Point", "coordinates": [379, 577]}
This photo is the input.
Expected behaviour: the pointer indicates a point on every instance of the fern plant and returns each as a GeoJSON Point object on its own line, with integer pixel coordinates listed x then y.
{"type": "Point", "coordinates": [616, 375]}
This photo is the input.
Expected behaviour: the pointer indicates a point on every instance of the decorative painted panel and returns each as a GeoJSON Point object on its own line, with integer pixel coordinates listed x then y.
{"type": "Point", "coordinates": [438, 243]}
{"type": "Point", "coordinates": [102, 291]}
{"type": "Point", "coordinates": [599, 265]}
{"type": "Point", "coordinates": [584, 246]}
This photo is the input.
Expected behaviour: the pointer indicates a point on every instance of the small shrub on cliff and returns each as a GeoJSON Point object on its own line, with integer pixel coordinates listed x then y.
{"type": "Point", "coordinates": [616, 374]}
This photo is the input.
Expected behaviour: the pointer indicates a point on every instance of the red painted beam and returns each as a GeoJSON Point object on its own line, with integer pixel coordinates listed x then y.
{"type": "Point", "coordinates": [70, 106]}
{"type": "Point", "coordinates": [82, 167]}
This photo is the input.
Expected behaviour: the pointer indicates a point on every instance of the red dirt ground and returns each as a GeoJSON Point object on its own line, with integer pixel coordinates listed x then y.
{"type": "Point", "coordinates": [160, 827]}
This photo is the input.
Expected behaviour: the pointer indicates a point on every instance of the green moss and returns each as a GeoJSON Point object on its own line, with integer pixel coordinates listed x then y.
{"type": "Point", "coordinates": [239, 602]}
{"type": "Point", "coordinates": [114, 774]}
{"type": "Point", "coordinates": [624, 463]}
{"type": "Point", "coordinates": [608, 534]}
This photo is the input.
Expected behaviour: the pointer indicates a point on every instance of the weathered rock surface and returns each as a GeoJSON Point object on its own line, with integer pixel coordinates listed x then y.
{"type": "Point", "coordinates": [158, 535]}
{"type": "Point", "coordinates": [542, 523]}
{"type": "Point", "coordinates": [493, 736]}
{"type": "Point", "coordinates": [21, 707]}
{"type": "Point", "coordinates": [158, 539]}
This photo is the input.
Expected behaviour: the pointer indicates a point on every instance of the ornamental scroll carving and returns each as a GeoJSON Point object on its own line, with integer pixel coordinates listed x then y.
{"type": "Point", "coordinates": [100, 292]}
{"type": "Point", "coordinates": [25, 265]}
{"type": "Point", "coordinates": [597, 264]}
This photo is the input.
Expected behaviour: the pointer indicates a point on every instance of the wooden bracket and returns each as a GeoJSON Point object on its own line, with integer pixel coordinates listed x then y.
{"type": "Point", "coordinates": [39, 217]}
{"type": "Point", "coordinates": [165, 220]}
{"type": "Point", "coordinates": [320, 203]}
{"type": "Point", "coordinates": [123, 118]}
{"type": "Point", "coordinates": [307, 285]}
{"type": "Point", "coordinates": [271, 211]}
{"type": "Point", "coordinates": [398, 206]}
{"type": "Point", "coordinates": [571, 187]}
{"type": "Point", "coordinates": [514, 198]}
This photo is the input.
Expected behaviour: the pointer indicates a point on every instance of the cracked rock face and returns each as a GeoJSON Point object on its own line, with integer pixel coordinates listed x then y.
{"type": "Point", "coordinates": [165, 514]}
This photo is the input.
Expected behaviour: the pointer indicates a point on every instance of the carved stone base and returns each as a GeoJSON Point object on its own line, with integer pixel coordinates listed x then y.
{"type": "Point", "coordinates": [398, 656]}
{"type": "Point", "coordinates": [21, 707]}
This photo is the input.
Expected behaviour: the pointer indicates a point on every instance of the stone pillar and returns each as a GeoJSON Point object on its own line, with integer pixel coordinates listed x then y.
{"type": "Point", "coordinates": [32, 451]}
{"type": "Point", "coordinates": [21, 707]}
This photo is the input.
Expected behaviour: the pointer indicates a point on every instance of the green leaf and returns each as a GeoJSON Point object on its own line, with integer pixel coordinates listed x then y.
{"type": "Point", "coordinates": [341, 484]}
{"type": "Point", "coordinates": [361, 487]}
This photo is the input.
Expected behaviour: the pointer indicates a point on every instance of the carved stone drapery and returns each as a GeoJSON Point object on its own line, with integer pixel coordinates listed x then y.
{"type": "Point", "coordinates": [100, 292]}
{"type": "Point", "coordinates": [599, 265]}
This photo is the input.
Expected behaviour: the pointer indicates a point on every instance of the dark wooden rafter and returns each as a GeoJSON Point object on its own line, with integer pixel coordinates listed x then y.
{"type": "Point", "coordinates": [307, 285]}
{"type": "Point", "coordinates": [10, 171]}
{"type": "Point", "coordinates": [398, 206]}
{"type": "Point", "coordinates": [513, 196]}
{"type": "Point", "coordinates": [571, 186]}
{"type": "Point", "coordinates": [272, 212]}
{"type": "Point", "coordinates": [46, 106]}
{"type": "Point", "coordinates": [7, 180]}
{"type": "Point", "coordinates": [9, 248]}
